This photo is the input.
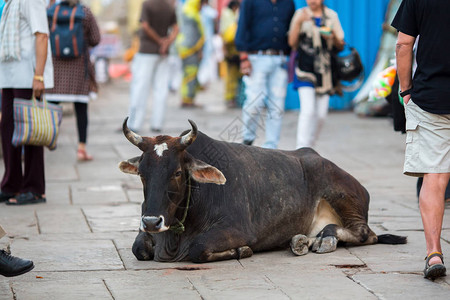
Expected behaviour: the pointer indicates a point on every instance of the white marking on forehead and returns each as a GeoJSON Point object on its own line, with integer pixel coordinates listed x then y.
{"type": "Point", "coordinates": [159, 149]}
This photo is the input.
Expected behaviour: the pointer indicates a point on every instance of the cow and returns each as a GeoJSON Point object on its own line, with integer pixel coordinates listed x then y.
{"type": "Point", "coordinates": [207, 200]}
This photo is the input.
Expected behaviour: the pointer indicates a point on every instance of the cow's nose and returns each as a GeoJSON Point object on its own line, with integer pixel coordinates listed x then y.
{"type": "Point", "coordinates": [153, 224]}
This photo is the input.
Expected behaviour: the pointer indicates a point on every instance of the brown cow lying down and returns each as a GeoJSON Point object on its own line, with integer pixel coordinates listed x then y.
{"type": "Point", "coordinates": [207, 200]}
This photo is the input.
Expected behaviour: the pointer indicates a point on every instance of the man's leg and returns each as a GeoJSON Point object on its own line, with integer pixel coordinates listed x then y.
{"type": "Point", "coordinates": [255, 92]}
{"type": "Point", "coordinates": [277, 85]}
{"type": "Point", "coordinates": [431, 202]}
{"type": "Point", "coordinates": [160, 88]}
{"type": "Point", "coordinates": [142, 71]}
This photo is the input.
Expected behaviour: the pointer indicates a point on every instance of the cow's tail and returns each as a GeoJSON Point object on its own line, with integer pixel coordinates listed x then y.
{"type": "Point", "coordinates": [391, 239]}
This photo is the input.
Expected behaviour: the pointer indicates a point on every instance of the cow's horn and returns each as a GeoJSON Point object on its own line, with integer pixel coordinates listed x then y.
{"type": "Point", "coordinates": [190, 137]}
{"type": "Point", "coordinates": [134, 138]}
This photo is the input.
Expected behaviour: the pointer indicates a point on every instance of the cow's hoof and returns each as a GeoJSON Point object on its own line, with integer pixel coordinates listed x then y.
{"type": "Point", "coordinates": [299, 244]}
{"type": "Point", "coordinates": [325, 245]}
{"type": "Point", "coordinates": [244, 252]}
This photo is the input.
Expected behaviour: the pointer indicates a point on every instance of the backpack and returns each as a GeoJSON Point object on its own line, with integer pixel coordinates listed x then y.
{"type": "Point", "coordinates": [66, 30]}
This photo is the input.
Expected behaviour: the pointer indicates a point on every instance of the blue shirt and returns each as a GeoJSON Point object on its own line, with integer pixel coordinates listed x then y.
{"type": "Point", "coordinates": [264, 25]}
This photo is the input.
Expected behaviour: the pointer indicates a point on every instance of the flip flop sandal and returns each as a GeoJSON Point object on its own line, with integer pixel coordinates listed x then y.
{"type": "Point", "coordinates": [83, 156]}
{"type": "Point", "coordinates": [4, 196]}
{"type": "Point", "coordinates": [434, 271]}
{"type": "Point", "coordinates": [26, 198]}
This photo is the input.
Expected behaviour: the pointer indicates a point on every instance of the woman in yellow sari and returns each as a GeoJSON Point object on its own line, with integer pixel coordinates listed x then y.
{"type": "Point", "coordinates": [189, 43]}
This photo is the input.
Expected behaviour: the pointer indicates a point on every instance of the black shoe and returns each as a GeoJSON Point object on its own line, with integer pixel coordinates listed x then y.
{"type": "Point", "coordinates": [13, 266]}
{"type": "Point", "coordinates": [249, 143]}
{"type": "Point", "coordinates": [6, 196]}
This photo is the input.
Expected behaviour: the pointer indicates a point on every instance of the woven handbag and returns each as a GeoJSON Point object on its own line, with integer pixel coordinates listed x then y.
{"type": "Point", "coordinates": [36, 123]}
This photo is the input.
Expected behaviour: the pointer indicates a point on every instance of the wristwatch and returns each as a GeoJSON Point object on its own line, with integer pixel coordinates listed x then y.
{"type": "Point", "coordinates": [405, 93]}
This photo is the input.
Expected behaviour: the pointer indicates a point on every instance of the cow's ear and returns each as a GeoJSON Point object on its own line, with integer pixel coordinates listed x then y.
{"type": "Point", "coordinates": [204, 173]}
{"type": "Point", "coordinates": [130, 166]}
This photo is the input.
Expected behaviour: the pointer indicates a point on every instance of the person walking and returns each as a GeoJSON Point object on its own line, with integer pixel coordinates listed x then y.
{"type": "Point", "coordinates": [208, 67]}
{"type": "Point", "coordinates": [26, 69]}
{"type": "Point", "coordinates": [427, 111]}
{"type": "Point", "coordinates": [75, 77]}
{"type": "Point", "coordinates": [13, 266]}
{"type": "Point", "coordinates": [189, 44]}
{"type": "Point", "coordinates": [314, 32]}
{"type": "Point", "coordinates": [261, 39]}
{"type": "Point", "coordinates": [228, 27]}
{"type": "Point", "coordinates": [150, 66]}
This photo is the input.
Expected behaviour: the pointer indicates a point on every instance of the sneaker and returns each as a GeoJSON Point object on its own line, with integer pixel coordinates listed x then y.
{"type": "Point", "coordinates": [13, 266]}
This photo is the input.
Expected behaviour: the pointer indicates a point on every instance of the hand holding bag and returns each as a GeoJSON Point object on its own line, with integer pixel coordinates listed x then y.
{"type": "Point", "coordinates": [36, 123]}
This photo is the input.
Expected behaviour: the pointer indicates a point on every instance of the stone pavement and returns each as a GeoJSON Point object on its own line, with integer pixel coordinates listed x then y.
{"type": "Point", "coordinates": [80, 240]}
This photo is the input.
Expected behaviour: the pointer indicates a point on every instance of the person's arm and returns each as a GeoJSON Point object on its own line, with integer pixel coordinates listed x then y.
{"type": "Point", "coordinates": [41, 58]}
{"type": "Point", "coordinates": [151, 33]}
{"type": "Point", "coordinates": [338, 34]}
{"type": "Point", "coordinates": [241, 38]}
{"type": "Point", "coordinates": [294, 28]}
{"type": "Point", "coordinates": [404, 56]}
{"type": "Point", "coordinates": [164, 49]}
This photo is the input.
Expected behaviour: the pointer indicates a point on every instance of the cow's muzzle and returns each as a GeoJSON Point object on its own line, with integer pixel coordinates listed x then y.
{"type": "Point", "coordinates": [153, 224]}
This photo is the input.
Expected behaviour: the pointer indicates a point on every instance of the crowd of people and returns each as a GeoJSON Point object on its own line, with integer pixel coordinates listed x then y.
{"type": "Point", "coordinates": [257, 38]}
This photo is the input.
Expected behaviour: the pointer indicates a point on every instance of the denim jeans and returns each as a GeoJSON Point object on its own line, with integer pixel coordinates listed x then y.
{"type": "Point", "coordinates": [149, 70]}
{"type": "Point", "coordinates": [265, 87]}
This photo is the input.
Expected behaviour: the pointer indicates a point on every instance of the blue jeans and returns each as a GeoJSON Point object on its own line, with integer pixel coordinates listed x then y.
{"type": "Point", "coordinates": [265, 87]}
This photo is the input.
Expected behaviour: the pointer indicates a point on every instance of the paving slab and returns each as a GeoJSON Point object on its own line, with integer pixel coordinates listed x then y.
{"type": "Point", "coordinates": [5, 290]}
{"type": "Point", "coordinates": [68, 220]}
{"type": "Point", "coordinates": [72, 289]}
{"type": "Point", "coordinates": [236, 285]}
{"type": "Point", "coordinates": [97, 192]}
{"type": "Point", "coordinates": [403, 286]}
{"type": "Point", "coordinates": [408, 258]}
{"type": "Point", "coordinates": [58, 193]}
{"type": "Point", "coordinates": [166, 284]}
{"type": "Point", "coordinates": [70, 255]}
{"type": "Point", "coordinates": [19, 222]}
{"type": "Point", "coordinates": [318, 284]}
{"type": "Point", "coordinates": [120, 210]}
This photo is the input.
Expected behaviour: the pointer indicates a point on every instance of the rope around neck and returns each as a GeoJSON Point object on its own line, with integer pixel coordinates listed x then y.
{"type": "Point", "coordinates": [179, 228]}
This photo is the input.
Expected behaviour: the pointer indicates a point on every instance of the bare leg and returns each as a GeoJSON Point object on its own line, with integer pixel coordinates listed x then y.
{"type": "Point", "coordinates": [431, 202]}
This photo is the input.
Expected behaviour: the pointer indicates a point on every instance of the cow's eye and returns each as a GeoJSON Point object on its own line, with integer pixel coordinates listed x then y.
{"type": "Point", "coordinates": [178, 174]}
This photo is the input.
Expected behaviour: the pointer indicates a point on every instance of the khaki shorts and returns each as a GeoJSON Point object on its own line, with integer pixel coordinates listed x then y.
{"type": "Point", "coordinates": [427, 142]}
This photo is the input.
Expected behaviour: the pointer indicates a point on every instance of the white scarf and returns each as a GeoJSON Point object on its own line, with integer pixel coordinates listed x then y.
{"type": "Point", "coordinates": [10, 31]}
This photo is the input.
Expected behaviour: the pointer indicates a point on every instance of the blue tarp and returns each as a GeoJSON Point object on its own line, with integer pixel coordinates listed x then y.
{"type": "Point", "coordinates": [2, 4]}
